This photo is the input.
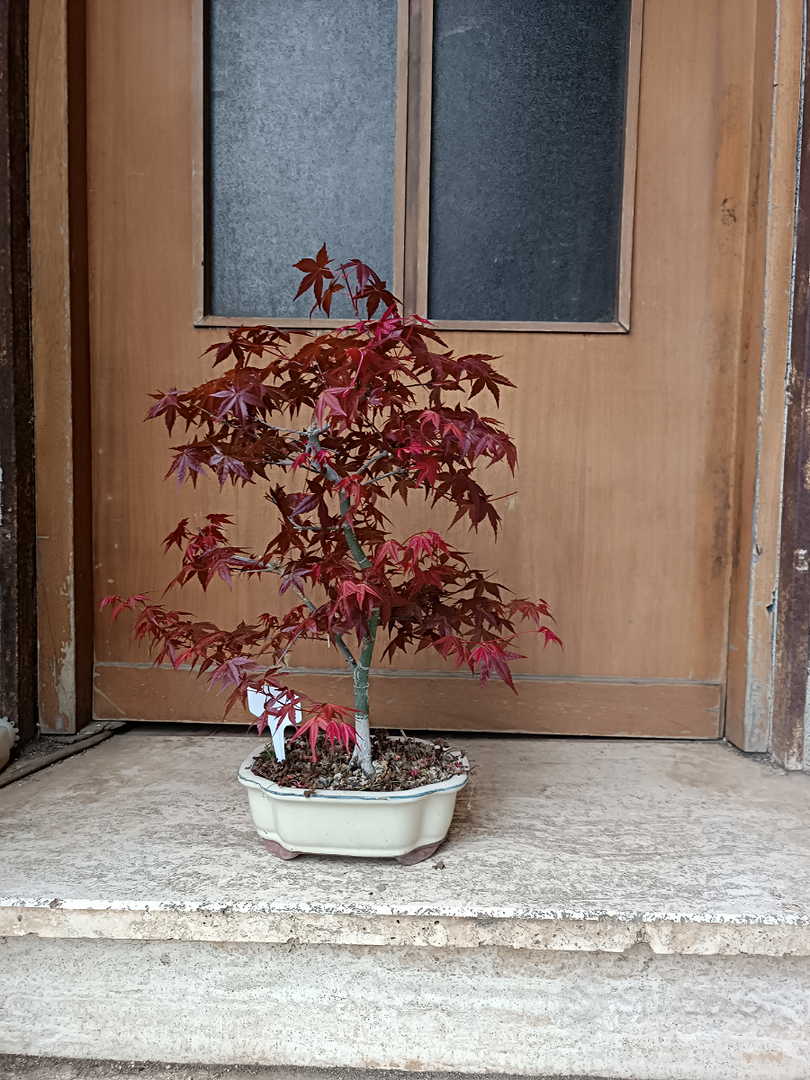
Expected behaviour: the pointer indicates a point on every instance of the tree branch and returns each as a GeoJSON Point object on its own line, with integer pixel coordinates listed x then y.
{"type": "Point", "coordinates": [394, 472]}
{"type": "Point", "coordinates": [261, 423]}
{"type": "Point", "coordinates": [258, 567]}
{"type": "Point", "coordinates": [377, 457]}
{"type": "Point", "coordinates": [295, 525]}
{"type": "Point", "coordinates": [333, 477]}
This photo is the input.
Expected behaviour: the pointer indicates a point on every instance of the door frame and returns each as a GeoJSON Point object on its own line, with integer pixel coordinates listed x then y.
{"type": "Point", "coordinates": [790, 735]}
{"type": "Point", "coordinates": [17, 511]}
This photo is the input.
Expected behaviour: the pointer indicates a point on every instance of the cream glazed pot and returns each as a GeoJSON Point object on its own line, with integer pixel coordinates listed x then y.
{"type": "Point", "coordinates": [404, 825]}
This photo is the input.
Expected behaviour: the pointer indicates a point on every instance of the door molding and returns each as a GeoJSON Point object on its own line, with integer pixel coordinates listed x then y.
{"type": "Point", "coordinates": [60, 313]}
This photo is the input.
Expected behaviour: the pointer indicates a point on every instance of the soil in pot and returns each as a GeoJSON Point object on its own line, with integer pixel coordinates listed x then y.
{"type": "Point", "coordinates": [400, 763]}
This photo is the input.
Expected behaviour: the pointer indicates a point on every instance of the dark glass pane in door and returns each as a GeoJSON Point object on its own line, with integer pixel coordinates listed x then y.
{"type": "Point", "coordinates": [302, 99]}
{"type": "Point", "coordinates": [526, 159]}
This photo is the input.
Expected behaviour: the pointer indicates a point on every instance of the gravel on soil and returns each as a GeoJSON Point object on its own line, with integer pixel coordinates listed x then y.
{"type": "Point", "coordinates": [400, 763]}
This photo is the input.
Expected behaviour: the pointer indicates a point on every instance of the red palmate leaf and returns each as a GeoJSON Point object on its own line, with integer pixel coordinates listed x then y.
{"type": "Point", "coordinates": [315, 273]}
{"type": "Point", "coordinates": [186, 463]}
{"type": "Point", "coordinates": [425, 544]}
{"type": "Point", "coordinates": [167, 405]}
{"type": "Point", "coordinates": [427, 470]}
{"type": "Point", "coordinates": [228, 467]}
{"type": "Point", "coordinates": [177, 536]}
{"type": "Point", "coordinates": [329, 401]}
{"type": "Point", "coordinates": [326, 718]}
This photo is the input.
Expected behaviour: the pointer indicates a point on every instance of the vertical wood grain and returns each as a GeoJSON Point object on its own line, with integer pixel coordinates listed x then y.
{"type": "Point", "coordinates": [61, 362]}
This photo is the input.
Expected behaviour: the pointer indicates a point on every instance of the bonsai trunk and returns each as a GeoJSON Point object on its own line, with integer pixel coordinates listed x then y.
{"type": "Point", "coordinates": [359, 669]}
{"type": "Point", "coordinates": [361, 712]}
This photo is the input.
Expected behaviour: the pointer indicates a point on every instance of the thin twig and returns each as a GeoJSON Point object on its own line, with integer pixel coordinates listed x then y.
{"type": "Point", "coordinates": [261, 567]}
{"type": "Point", "coordinates": [371, 424]}
{"type": "Point", "coordinates": [255, 420]}
{"type": "Point", "coordinates": [377, 457]}
{"type": "Point", "coordinates": [295, 525]}
{"type": "Point", "coordinates": [347, 653]}
{"type": "Point", "coordinates": [384, 476]}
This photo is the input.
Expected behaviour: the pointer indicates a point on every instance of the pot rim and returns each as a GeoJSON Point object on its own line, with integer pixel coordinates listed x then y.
{"type": "Point", "coordinates": [246, 776]}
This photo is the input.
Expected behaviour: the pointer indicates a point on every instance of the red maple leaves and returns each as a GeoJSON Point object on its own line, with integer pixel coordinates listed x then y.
{"type": "Point", "coordinates": [349, 419]}
{"type": "Point", "coordinates": [327, 719]}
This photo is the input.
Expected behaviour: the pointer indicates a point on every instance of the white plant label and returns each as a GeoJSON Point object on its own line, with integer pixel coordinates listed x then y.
{"type": "Point", "coordinates": [257, 700]}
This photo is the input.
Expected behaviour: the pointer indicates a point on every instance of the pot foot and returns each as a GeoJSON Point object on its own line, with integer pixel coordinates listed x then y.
{"type": "Point", "coordinates": [282, 852]}
{"type": "Point", "coordinates": [418, 854]}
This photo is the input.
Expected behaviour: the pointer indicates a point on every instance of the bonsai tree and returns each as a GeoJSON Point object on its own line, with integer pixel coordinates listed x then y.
{"type": "Point", "coordinates": [334, 428]}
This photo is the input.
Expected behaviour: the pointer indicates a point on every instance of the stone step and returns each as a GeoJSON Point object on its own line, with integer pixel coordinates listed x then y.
{"type": "Point", "coordinates": [601, 908]}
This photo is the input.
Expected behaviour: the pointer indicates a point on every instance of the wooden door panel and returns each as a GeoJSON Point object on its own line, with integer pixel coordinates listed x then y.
{"type": "Point", "coordinates": [638, 709]}
{"type": "Point", "coordinates": [622, 514]}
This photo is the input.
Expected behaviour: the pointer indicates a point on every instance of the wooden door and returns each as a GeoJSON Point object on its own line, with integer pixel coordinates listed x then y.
{"type": "Point", "coordinates": [622, 519]}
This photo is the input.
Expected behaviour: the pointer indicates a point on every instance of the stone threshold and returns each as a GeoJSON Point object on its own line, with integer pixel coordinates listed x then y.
{"type": "Point", "coordinates": [562, 930]}
{"type": "Point", "coordinates": [562, 844]}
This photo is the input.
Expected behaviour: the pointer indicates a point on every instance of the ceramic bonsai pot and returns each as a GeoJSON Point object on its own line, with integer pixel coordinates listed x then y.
{"type": "Point", "coordinates": [405, 825]}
